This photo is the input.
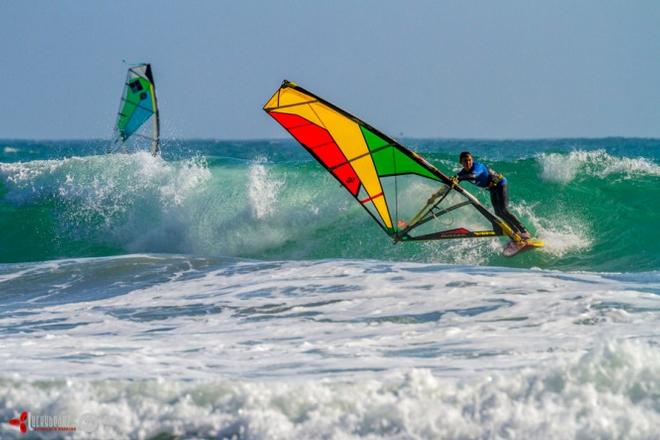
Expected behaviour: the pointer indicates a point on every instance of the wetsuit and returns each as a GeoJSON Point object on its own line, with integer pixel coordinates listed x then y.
{"type": "Point", "coordinates": [484, 177]}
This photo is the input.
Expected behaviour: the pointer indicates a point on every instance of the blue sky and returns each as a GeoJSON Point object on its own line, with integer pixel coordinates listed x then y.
{"type": "Point", "coordinates": [466, 69]}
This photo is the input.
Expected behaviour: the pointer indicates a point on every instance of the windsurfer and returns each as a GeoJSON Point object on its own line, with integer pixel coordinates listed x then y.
{"type": "Point", "coordinates": [484, 177]}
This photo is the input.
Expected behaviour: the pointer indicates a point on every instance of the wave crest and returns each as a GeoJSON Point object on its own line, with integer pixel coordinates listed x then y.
{"type": "Point", "coordinates": [563, 168]}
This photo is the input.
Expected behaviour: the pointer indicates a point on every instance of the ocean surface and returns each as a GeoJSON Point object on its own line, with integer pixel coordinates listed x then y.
{"type": "Point", "coordinates": [234, 290]}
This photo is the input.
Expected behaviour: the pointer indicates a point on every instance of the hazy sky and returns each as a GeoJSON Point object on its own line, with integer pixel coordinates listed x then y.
{"type": "Point", "coordinates": [470, 69]}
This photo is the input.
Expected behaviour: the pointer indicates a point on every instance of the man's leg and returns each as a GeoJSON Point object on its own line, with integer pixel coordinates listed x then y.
{"type": "Point", "coordinates": [500, 199]}
{"type": "Point", "coordinates": [496, 201]}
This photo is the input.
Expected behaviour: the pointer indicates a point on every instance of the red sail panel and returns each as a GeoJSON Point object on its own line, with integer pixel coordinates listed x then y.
{"type": "Point", "coordinates": [348, 178]}
{"type": "Point", "coordinates": [319, 142]}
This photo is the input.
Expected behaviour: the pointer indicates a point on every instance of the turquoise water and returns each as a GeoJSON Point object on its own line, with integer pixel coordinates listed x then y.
{"type": "Point", "coordinates": [238, 292]}
{"type": "Point", "coordinates": [594, 202]}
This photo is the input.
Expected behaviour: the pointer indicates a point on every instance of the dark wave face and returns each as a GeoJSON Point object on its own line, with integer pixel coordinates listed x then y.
{"type": "Point", "coordinates": [594, 202]}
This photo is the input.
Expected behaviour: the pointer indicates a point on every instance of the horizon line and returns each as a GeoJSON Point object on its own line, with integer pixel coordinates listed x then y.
{"type": "Point", "coordinates": [257, 139]}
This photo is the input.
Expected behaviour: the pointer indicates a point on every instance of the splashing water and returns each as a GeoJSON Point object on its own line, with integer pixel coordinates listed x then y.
{"type": "Point", "coordinates": [562, 233]}
{"type": "Point", "coordinates": [562, 168]}
{"type": "Point", "coordinates": [263, 189]}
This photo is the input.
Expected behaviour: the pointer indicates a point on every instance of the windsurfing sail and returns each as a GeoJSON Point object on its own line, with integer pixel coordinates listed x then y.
{"type": "Point", "coordinates": [138, 104]}
{"type": "Point", "coordinates": [409, 198]}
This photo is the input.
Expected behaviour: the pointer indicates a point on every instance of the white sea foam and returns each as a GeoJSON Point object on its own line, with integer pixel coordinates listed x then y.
{"type": "Point", "coordinates": [472, 252]}
{"type": "Point", "coordinates": [563, 168]}
{"type": "Point", "coordinates": [609, 392]}
{"type": "Point", "coordinates": [201, 348]}
{"type": "Point", "coordinates": [95, 179]}
{"type": "Point", "coordinates": [326, 316]}
{"type": "Point", "coordinates": [562, 233]}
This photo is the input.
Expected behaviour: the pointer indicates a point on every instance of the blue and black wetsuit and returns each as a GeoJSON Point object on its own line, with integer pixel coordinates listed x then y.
{"type": "Point", "coordinates": [484, 177]}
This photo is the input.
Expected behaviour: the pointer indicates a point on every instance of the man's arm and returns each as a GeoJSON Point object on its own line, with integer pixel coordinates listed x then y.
{"type": "Point", "coordinates": [463, 175]}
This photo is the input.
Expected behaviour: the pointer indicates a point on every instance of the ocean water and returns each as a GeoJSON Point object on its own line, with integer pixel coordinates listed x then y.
{"type": "Point", "coordinates": [233, 290]}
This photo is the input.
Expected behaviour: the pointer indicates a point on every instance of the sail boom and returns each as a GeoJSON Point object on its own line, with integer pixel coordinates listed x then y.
{"type": "Point", "coordinates": [453, 234]}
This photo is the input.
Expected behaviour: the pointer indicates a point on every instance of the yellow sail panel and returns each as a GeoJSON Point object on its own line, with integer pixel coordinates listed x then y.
{"type": "Point", "coordinates": [286, 97]}
{"type": "Point", "coordinates": [304, 111]}
{"type": "Point", "coordinates": [272, 102]}
{"type": "Point", "coordinates": [153, 95]}
{"type": "Point", "coordinates": [381, 206]}
{"type": "Point", "coordinates": [364, 167]}
{"type": "Point", "coordinates": [345, 132]}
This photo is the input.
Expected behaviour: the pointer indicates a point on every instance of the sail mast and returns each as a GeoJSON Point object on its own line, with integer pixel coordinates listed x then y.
{"type": "Point", "coordinates": [155, 122]}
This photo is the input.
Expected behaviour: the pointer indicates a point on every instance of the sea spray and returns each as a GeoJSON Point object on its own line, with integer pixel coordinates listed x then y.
{"type": "Point", "coordinates": [263, 189]}
{"type": "Point", "coordinates": [562, 167]}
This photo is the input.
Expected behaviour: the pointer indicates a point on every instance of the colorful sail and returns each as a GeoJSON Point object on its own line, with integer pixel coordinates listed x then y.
{"type": "Point", "coordinates": [408, 197]}
{"type": "Point", "coordinates": [138, 105]}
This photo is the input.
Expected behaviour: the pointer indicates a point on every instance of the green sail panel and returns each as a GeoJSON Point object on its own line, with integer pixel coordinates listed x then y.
{"type": "Point", "coordinates": [389, 160]}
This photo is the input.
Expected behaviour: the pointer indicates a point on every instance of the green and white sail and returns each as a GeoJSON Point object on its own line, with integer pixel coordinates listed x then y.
{"type": "Point", "coordinates": [138, 105]}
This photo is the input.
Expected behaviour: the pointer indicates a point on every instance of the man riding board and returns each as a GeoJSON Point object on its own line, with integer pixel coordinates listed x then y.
{"type": "Point", "coordinates": [484, 177]}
